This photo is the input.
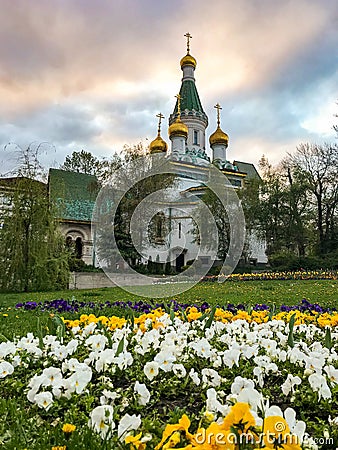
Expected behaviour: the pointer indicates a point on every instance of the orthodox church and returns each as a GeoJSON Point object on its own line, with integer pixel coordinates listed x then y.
{"type": "Point", "coordinates": [187, 153]}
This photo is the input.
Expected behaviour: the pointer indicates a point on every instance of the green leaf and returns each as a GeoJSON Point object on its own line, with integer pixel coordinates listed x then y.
{"type": "Point", "coordinates": [210, 318]}
{"type": "Point", "coordinates": [131, 316]}
{"type": "Point", "coordinates": [328, 338]}
{"type": "Point", "coordinates": [120, 347]}
{"type": "Point", "coordinates": [291, 342]}
{"type": "Point", "coordinates": [172, 313]}
{"type": "Point", "coordinates": [184, 314]}
{"type": "Point", "coordinates": [272, 311]}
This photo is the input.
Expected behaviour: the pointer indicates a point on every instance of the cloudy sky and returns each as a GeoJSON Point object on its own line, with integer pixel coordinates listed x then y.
{"type": "Point", "coordinates": [85, 74]}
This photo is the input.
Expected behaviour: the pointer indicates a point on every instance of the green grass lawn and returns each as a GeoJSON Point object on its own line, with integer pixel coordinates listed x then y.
{"type": "Point", "coordinates": [19, 322]}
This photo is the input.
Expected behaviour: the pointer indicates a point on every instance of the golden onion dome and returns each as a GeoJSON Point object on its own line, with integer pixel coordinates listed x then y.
{"type": "Point", "coordinates": [219, 137]}
{"type": "Point", "coordinates": [188, 60]}
{"type": "Point", "coordinates": [158, 145]}
{"type": "Point", "coordinates": [178, 128]}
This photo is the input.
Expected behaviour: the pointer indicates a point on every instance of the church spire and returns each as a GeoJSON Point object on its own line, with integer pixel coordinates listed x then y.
{"type": "Point", "coordinates": [191, 110]}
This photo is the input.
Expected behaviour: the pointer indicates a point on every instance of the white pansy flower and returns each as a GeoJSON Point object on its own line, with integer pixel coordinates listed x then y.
{"type": "Point", "coordinates": [79, 380]}
{"type": "Point", "coordinates": [6, 369]}
{"type": "Point", "coordinates": [7, 348]}
{"type": "Point", "coordinates": [332, 373]}
{"type": "Point", "coordinates": [231, 357]}
{"type": "Point", "coordinates": [151, 370]}
{"type": "Point", "coordinates": [259, 374]}
{"type": "Point", "coordinates": [194, 376]}
{"type": "Point", "coordinates": [202, 348]}
{"type": "Point", "coordinates": [96, 341]}
{"type": "Point", "coordinates": [297, 427]}
{"type": "Point", "coordinates": [250, 396]}
{"type": "Point", "coordinates": [34, 386]}
{"type": "Point", "coordinates": [101, 420]}
{"type": "Point", "coordinates": [179, 370]}
{"type": "Point", "coordinates": [215, 406]}
{"type": "Point", "coordinates": [44, 400]}
{"type": "Point", "coordinates": [165, 360]}
{"type": "Point", "coordinates": [211, 377]}
{"type": "Point", "coordinates": [123, 360]}
{"type": "Point", "coordinates": [127, 424]}
{"type": "Point", "coordinates": [240, 383]}
{"type": "Point", "coordinates": [143, 393]}
{"type": "Point", "coordinates": [319, 384]}
{"type": "Point", "coordinates": [51, 377]}
{"type": "Point", "coordinates": [290, 383]}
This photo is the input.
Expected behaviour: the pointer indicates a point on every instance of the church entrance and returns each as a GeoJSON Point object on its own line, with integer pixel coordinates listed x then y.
{"type": "Point", "coordinates": [179, 262]}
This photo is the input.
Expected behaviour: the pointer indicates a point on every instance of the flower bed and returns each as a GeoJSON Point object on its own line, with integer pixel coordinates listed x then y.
{"type": "Point", "coordinates": [262, 276]}
{"type": "Point", "coordinates": [62, 306]}
{"type": "Point", "coordinates": [169, 380]}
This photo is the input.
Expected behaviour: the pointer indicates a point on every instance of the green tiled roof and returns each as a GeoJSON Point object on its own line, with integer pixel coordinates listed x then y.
{"type": "Point", "coordinates": [74, 193]}
{"type": "Point", "coordinates": [189, 97]}
{"type": "Point", "coordinates": [247, 168]}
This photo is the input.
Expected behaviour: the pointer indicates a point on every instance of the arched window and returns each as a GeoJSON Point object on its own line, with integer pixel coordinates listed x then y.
{"type": "Point", "coordinates": [78, 248]}
{"type": "Point", "coordinates": [69, 241]}
{"type": "Point", "coordinates": [160, 228]}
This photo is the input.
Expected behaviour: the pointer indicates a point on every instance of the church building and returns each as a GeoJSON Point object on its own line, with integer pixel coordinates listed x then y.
{"type": "Point", "coordinates": [187, 154]}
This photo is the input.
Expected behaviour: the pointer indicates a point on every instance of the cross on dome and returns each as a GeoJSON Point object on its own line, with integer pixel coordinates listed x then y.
{"type": "Point", "coordinates": [178, 96]}
{"type": "Point", "coordinates": [188, 36]}
{"type": "Point", "coordinates": [218, 107]}
{"type": "Point", "coordinates": [160, 117]}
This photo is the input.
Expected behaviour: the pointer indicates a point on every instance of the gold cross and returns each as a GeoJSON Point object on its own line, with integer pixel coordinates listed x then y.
{"type": "Point", "coordinates": [178, 96]}
{"type": "Point", "coordinates": [160, 117]}
{"type": "Point", "coordinates": [188, 36]}
{"type": "Point", "coordinates": [218, 107]}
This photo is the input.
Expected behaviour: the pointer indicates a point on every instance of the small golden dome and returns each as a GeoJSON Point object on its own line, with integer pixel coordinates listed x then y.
{"type": "Point", "coordinates": [219, 137]}
{"type": "Point", "coordinates": [158, 145]}
{"type": "Point", "coordinates": [178, 128]}
{"type": "Point", "coordinates": [188, 60]}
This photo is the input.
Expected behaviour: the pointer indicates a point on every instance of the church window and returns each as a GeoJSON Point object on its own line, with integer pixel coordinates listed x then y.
{"type": "Point", "coordinates": [179, 230]}
{"type": "Point", "coordinates": [78, 248]}
{"type": "Point", "coordinates": [69, 241]}
{"type": "Point", "coordinates": [195, 142]}
{"type": "Point", "coordinates": [157, 229]}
